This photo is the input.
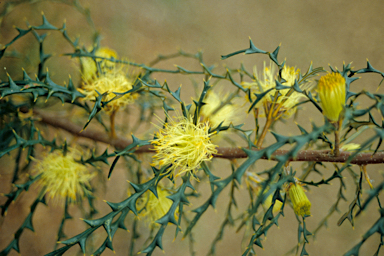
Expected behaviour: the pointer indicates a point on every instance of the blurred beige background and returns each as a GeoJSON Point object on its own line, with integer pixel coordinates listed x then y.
{"type": "Point", "coordinates": [322, 32]}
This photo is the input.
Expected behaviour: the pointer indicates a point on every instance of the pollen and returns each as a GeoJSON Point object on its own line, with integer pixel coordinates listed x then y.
{"type": "Point", "coordinates": [61, 177]}
{"type": "Point", "coordinates": [182, 145]}
{"type": "Point", "coordinates": [331, 88]}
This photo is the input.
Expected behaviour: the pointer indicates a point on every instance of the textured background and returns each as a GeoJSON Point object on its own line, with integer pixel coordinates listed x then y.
{"type": "Point", "coordinates": [322, 32]}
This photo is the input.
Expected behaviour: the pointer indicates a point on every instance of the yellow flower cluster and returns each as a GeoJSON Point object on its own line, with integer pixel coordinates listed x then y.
{"type": "Point", "coordinates": [62, 177]}
{"type": "Point", "coordinates": [152, 207]}
{"type": "Point", "coordinates": [182, 145]}
{"type": "Point", "coordinates": [104, 77]}
{"type": "Point", "coordinates": [301, 204]}
{"type": "Point", "coordinates": [90, 69]}
{"type": "Point", "coordinates": [110, 83]}
{"type": "Point", "coordinates": [331, 88]}
{"type": "Point", "coordinates": [288, 99]}
{"type": "Point", "coordinates": [214, 113]}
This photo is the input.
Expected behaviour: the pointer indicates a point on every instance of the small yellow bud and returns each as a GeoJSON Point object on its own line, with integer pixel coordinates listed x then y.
{"type": "Point", "coordinates": [299, 199]}
{"type": "Point", "coordinates": [331, 88]}
{"type": "Point", "coordinates": [350, 147]}
{"type": "Point", "coordinates": [268, 201]}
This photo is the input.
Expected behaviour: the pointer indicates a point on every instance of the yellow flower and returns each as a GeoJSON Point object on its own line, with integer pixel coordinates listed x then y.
{"type": "Point", "coordinates": [253, 182]}
{"type": "Point", "coordinates": [183, 145]}
{"type": "Point", "coordinates": [62, 177]}
{"type": "Point", "coordinates": [268, 201]}
{"type": "Point", "coordinates": [286, 102]}
{"type": "Point", "coordinates": [152, 207]}
{"type": "Point", "coordinates": [89, 68]}
{"type": "Point", "coordinates": [214, 113]}
{"type": "Point", "coordinates": [301, 204]}
{"type": "Point", "coordinates": [331, 88]}
{"type": "Point", "coordinates": [109, 83]}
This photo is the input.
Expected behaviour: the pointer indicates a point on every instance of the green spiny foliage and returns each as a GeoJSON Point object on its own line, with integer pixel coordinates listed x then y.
{"type": "Point", "coordinates": [21, 125]}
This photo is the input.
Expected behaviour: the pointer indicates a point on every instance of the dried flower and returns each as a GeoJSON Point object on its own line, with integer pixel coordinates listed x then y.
{"type": "Point", "coordinates": [62, 177]}
{"type": "Point", "coordinates": [288, 99]}
{"type": "Point", "coordinates": [182, 145]}
{"type": "Point", "coordinates": [301, 204]}
{"type": "Point", "coordinates": [89, 68]}
{"type": "Point", "coordinates": [152, 207]}
{"type": "Point", "coordinates": [331, 88]}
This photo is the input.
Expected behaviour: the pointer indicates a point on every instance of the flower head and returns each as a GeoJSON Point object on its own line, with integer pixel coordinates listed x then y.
{"type": "Point", "coordinates": [90, 69]}
{"type": "Point", "coordinates": [109, 83]}
{"type": "Point", "coordinates": [215, 112]}
{"type": "Point", "coordinates": [152, 207]}
{"type": "Point", "coordinates": [182, 145]}
{"type": "Point", "coordinates": [301, 204]}
{"type": "Point", "coordinates": [288, 99]}
{"type": "Point", "coordinates": [331, 88]}
{"type": "Point", "coordinates": [62, 177]}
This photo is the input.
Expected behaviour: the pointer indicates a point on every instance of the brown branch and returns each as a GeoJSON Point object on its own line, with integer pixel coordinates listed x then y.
{"type": "Point", "coordinates": [222, 152]}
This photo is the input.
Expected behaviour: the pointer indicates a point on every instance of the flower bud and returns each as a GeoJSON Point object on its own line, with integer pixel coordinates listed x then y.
{"type": "Point", "coordinates": [331, 88]}
{"type": "Point", "coordinates": [299, 199]}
